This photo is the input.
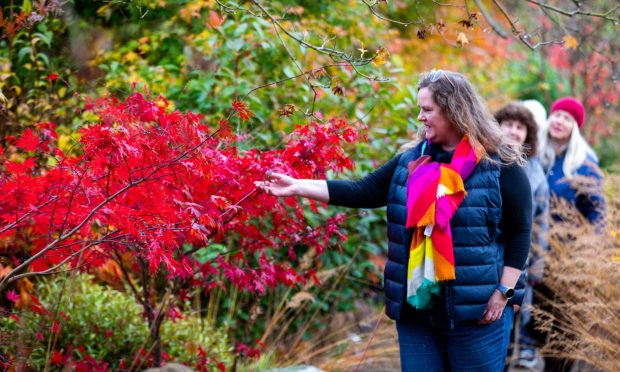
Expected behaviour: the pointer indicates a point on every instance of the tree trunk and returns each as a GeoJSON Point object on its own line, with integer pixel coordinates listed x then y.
{"type": "Point", "coordinates": [154, 330]}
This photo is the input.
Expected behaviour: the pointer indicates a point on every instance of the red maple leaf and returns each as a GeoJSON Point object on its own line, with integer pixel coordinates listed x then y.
{"type": "Point", "coordinates": [225, 130]}
{"type": "Point", "coordinates": [52, 77]}
{"type": "Point", "coordinates": [57, 357]}
{"type": "Point", "coordinates": [12, 296]}
{"type": "Point", "coordinates": [28, 141]}
{"type": "Point", "coordinates": [242, 110]}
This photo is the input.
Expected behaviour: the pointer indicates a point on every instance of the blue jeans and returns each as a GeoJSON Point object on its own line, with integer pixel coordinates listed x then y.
{"type": "Point", "coordinates": [426, 346]}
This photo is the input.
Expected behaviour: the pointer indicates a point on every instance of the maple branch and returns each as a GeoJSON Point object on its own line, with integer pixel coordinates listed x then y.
{"type": "Point", "coordinates": [232, 9]}
{"type": "Point", "coordinates": [341, 64]}
{"type": "Point", "coordinates": [371, 7]}
{"type": "Point", "coordinates": [73, 192]}
{"type": "Point", "coordinates": [492, 22]}
{"type": "Point", "coordinates": [52, 270]}
{"type": "Point", "coordinates": [292, 57]}
{"type": "Point", "coordinates": [26, 215]}
{"type": "Point", "coordinates": [119, 261]}
{"type": "Point", "coordinates": [578, 11]}
{"type": "Point", "coordinates": [448, 4]}
{"type": "Point", "coordinates": [513, 26]}
{"type": "Point", "coordinates": [321, 49]}
{"type": "Point", "coordinates": [49, 230]}
{"type": "Point", "coordinates": [523, 36]}
{"type": "Point", "coordinates": [8, 278]}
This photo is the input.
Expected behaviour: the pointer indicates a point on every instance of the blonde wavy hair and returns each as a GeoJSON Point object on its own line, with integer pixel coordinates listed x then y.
{"type": "Point", "coordinates": [577, 151]}
{"type": "Point", "coordinates": [468, 114]}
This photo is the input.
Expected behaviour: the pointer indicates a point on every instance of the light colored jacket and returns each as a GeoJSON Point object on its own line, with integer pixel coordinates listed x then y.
{"type": "Point", "coordinates": [540, 222]}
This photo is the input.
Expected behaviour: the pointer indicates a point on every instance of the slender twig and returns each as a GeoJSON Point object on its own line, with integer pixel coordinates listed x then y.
{"type": "Point", "coordinates": [321, 49]}
{"type": "Point", "coordinates": [27, 214]}
{"type": "Point", "coordinates": [278, 82]}
{"type": "Point", "coordinates": [521, 35]}
{"type": "Point", "coordinates": [370, 339]}
{"type": "Point", "coordinates": [51, 270]}
{"type": "Point", "coordinates": [371, 7]}
{"type": "Point", "coordinates": [292, 57]}
{"type": "Point", "coordinates": [578, 11]}
{"type": "Point", "coordinates": [494, 25]}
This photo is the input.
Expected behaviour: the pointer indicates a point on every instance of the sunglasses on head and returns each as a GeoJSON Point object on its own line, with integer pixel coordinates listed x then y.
{"type": "Point", "coordinates": [435, 75]}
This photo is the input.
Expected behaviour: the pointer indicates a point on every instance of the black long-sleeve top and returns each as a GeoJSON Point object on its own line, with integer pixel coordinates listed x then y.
{"type": "Point", "coordinates": [372, 192]}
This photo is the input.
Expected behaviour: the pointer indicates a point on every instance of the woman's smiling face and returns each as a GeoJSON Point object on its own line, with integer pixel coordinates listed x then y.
{"type": "Point", "coordinates": [561, 125]}
{"type": "Point", "coordinates": [437, 127]}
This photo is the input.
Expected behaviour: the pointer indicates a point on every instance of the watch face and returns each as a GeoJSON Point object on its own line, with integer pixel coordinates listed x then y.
{"type": "Point", "coordinates": [509, 293]}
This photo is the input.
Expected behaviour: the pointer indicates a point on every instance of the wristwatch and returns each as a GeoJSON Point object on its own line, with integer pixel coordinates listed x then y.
{"type": "Point", "coordinates": [506, 291]}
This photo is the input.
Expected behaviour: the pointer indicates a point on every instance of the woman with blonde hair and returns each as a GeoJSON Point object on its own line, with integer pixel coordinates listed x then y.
{"type": "Point", "coordinates": [458, 225]}
{"type": "Point", "coordinates": [572, 169]}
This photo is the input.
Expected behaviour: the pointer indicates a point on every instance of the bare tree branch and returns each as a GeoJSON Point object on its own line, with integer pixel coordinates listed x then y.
{"type": "Point", "coordinates": [578, 11]}
{"type": "Point", "coordinates": [523, 36]}
{"type": "Point", "coordinates": [321, 49]}
{"type": "Point", "coordinates": [371, 7]}
{"type": "Point", "coordinates": [26, 215]}
{"type": "Point", "coordinates": [492, 22]}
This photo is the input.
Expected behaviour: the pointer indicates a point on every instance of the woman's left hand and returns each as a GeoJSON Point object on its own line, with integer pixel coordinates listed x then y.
{"type": "Point", "coordinates": [495, 308]}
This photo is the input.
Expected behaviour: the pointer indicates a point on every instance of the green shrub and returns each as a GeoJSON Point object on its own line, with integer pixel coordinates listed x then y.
{"type": "Point", "coordinates": [104, 324]}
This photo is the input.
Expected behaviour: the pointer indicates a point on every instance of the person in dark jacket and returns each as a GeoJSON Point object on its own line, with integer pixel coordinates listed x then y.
{"type": "Point", "coordinates": [572, 168]}
{"type": "Point", "coordinates": [518, 123]}
{"type": "Point", "coordinates": [459, 224]}
{"type": "Point", "coordinates": [575, 179]}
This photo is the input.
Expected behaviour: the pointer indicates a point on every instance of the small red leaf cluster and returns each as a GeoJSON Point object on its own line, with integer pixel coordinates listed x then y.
{"type": "Point", "coordinates": [162, 186]}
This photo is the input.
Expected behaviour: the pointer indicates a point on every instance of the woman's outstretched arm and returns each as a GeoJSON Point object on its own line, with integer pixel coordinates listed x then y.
{"type": "Point", "coordinates": [278, 184]}
{"type": "Point", "coordinates": [368, 192]}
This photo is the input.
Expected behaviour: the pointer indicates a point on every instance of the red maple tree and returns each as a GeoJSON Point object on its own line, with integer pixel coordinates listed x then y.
{"type": "Point", "coordinates": [148, 188]}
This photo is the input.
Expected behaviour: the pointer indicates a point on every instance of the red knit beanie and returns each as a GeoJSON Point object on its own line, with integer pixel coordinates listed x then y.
{"type": "Point", "coordinates": [572, 106]}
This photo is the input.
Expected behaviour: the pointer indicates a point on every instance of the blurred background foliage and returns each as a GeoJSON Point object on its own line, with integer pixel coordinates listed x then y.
{"type": "Point", "coordinates": [203, 54]}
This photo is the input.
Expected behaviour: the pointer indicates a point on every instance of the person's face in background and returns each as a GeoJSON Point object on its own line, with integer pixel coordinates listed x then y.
{"type": "Point", "coordinates": [515, 130]}
{"type": "Point", "coordinates": [561, 125]}
{"type": "Point", "coordinates": [436, 126]}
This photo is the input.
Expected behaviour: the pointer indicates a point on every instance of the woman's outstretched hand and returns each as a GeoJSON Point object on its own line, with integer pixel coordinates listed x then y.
{"type": "Point", "coordinates": [278, 184]}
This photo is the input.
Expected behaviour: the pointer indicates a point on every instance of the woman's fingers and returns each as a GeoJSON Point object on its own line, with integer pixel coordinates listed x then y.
{"type": "Point", "coordinates": [276, 184]}
{"type": "Point", "coordinates": [278, 177]}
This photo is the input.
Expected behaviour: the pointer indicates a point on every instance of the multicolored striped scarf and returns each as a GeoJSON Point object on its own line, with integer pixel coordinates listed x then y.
{"type": "Point", "coordinates": [434, 192]}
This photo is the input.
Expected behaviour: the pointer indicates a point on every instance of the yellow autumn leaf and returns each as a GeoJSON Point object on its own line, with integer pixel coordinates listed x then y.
{"type": "Point", "coordinates": [381, 57]}
{"type": "Point", "coordinates": [61, 91]}
{"type": "Point", "coordinates": [570, 42]}
{"type": "Point", "coordinates": [106, 9]}
{"type": "Point", "coordinates": [461, 39]}
{"type": "Point", "coordinates": [17, 158]}
{"type": "Point", "coordinates": [26, 6]}
{"type": "Point", "coordinates": [130, 57]}
{"type": "Point", "coordinates": [65, 142]}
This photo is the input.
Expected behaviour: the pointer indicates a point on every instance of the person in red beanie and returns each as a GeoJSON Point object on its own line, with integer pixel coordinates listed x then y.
{"type": "Point", "coordinates": [574, 176]}
{"type": "Point", "coordinates": [572, 167]}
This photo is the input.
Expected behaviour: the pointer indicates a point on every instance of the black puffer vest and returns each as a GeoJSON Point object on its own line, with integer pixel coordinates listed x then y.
{"type": "Point", "coordinates": [476, 230]}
